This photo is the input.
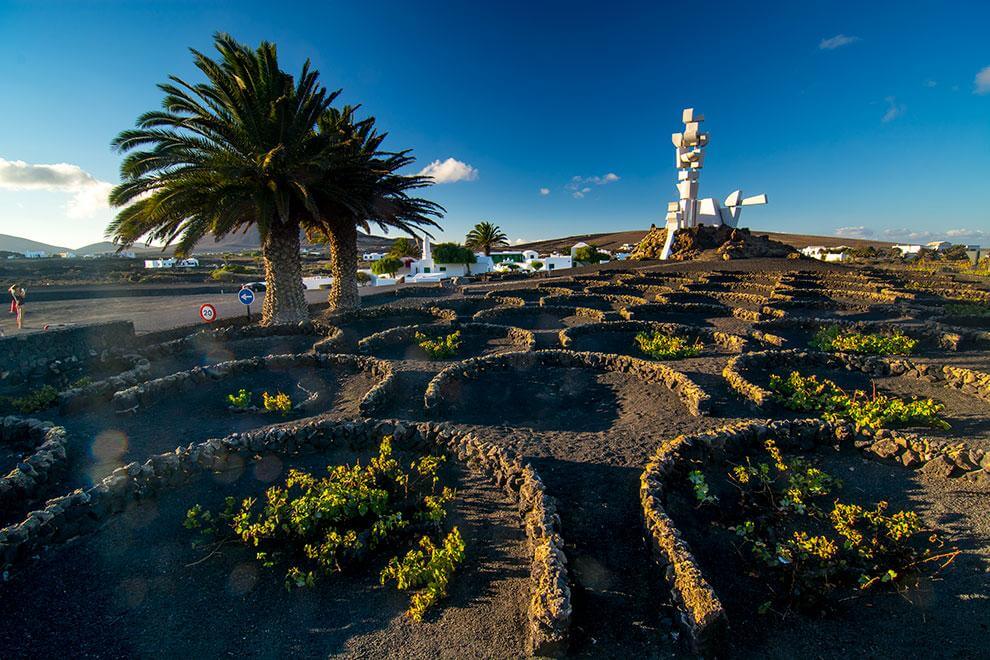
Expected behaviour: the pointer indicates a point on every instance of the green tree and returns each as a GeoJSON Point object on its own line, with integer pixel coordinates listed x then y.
{"type": "Point", "coordinates": [253, 146]}
{"type": "Point", "coordinates": [452, 253]}
{"type": "Point", "coordinates": [404, 247]}
{"type": "Point", "coordinates": [485, 236]}
{"type": "Point", "coordinates": [387, 265]}
{"type": "Point", "coordinates": [589, 254]}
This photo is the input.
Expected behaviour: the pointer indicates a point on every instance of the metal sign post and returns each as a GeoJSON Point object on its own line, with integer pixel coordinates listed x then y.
{"type": "Point", "coordinates": [246, 296]}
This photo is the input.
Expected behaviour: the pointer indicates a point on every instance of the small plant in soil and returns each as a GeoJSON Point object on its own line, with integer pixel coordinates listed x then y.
{"type": "Point", "coordinates": [967, 309]}
{"type": "Point", "coordinates": [835, 339]}
{"type": "Point", "coordinates": [316, 526]}
{"type": "Point", "coordinates": [876, 411]}
{"type": "Point", "coordinates": [667, 347]}
{"type": "Point", "coordinates": [440, 348]}
{"type": "Point", "coordinates": [813, 549]}
{"type": "Point", "coordinates": [35, 400]}
{"type": "Point", "coordinates": [241, 400]}
{"type": "Point", "coordinates": [280, 403]}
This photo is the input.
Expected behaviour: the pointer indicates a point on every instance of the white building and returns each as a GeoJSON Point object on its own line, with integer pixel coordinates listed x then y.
{"type": "Point", "coordinates": [35, 254]}
{"type": "Point", "coordinates": [426, 269]}
{"type": "Point", "coordinates": [372, 256]}
{"type": "Point", "coordinates": [832, 254]}
{"type": "Point", "coordinates": [908, 249]}
{"type": "Point", "coordinates": [191, 262]}
{"type": "Point", "coordinates": [159, 263]}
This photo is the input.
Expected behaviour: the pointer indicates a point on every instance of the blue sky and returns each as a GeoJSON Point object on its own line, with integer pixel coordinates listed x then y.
{"type": "Point", "coordinates": [857, 119]}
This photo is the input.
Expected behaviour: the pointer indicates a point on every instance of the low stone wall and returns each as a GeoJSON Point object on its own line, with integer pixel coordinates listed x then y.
{"type": "Point", "coordinates": [26, 354]}
{"type": "Point", "coordinates": [440, 389]}
{"type": "Point", "coordinates": [406, 334]}
{"type": "Point", "coordinates": [336, 341]}
{"type": "Point", "coordinates": [764, 331]}
{"type": "Point", "coordinates": [723, 339]}
{"type": "Point", "coordinates": [533, 292]}
{"type": "Point", "coordinates": [47, 444]}
{"type": "Point", "coordinates": [577, 299]}
{"type": "Point", "coordinates": [82, 511]}
{"type": "Point", "coordinates": [497, 315]}
{"type": "Point", "coordinates": [630, 313]}
{"type": "Point", "coordinates": [129, 400]}
{"type": "Point", "coordinates": [77, 398]}
{"type": "Point", "coordinates": [969, 381]}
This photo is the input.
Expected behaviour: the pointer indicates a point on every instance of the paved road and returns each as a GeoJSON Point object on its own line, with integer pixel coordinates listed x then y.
{"type": "Point", "coordinates": [149, 313]}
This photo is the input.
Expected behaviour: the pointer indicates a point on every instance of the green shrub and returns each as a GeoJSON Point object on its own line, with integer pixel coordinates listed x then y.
{"type": "Point", "coordinates": [536, 265]}
{"type": "Point", "coordinates": [316, 526]}
{"type": "Point", "coordinates": [589, 254]}
{"type": "Point", "coordinates": [240, 400]}
{"type": "Point", "coordinates": [810, 547]}
{"type": "Point", "coordinates": [362, 277]}
{"type": "Point", "coordinates": [387, 265]}
{"type": "Point", "coordinates": [280, 402]}
{"type": "Point", "coordinates": [808, 394]}
{"type": "Point", "coordinates": [667, 347]}
{"type": "Point", "coordinates": [35, 400]}
{"type": "Point", "coordinates": [427, 569]}
{"type": "Point", "coordinates": [967, 309]}
{"type": "Point", "coordinates": [452, 253]}
{"type": "Point", "coordinates": [835, 339]}
{"type": "Point", "coordinates": [440, 348]}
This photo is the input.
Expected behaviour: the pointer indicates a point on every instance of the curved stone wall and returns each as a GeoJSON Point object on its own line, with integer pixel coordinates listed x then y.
{"type": "Point", "coordinates": [406, 334]}
{"type": "Point", "coordinates": [440, 389]}
{"type": "Point", "coordinates": [127, 401]}
{"type": "Point", "coordinates": [47, 446]}
{"type": "Point", "coordinates": [723, 339]}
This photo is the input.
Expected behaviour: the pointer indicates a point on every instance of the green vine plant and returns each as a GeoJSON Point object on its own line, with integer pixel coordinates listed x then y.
{"type": "Point", "coordinates": [440, 348]}
{"type": "Point", "coordinates": [835, 339]}
{"type": "Point", "coordinates": [241, 400]}
{"type": "Point", "coordinates": [280, 403]}
{"type": "Point", "coordinates": [875, 411]}
{"type": "Point", "coordinates": [667, 347]}
{"type": "Point", "coordinates": [967, 309]}
{"type": "Point", "coordinates": [314, 526]}
{"type": "Point", "coordinates": [809, 547]}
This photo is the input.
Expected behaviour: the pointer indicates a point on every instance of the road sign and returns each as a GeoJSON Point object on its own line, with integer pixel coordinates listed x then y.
{"type": "Point", "coordinates": [246, 296]}
{"type": "Point", "coordinates": [208, 312]}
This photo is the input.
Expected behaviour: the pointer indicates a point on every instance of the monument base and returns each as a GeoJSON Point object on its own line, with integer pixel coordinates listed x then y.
{"type": "Point", "coordinates": [710, 242]}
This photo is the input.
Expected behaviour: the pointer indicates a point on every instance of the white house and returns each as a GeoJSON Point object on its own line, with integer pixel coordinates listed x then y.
{"type": "Point", "coordinates": [372, 256]}
{"type": "Point", "coordinates": [191, 262]}
{"type": "Point", "coordinates": [908, 250]}
{"type": "Point", "coordinates": [159, 263]}
{"type": "Point", "coordinates": [577, 246]}
{"type": "Point", "coordinates": [832, 254]}
{"type": "Point", "coordinates": [426, 269]}
{"type": "Point", "coordinates": [67, 255]}
{"type": "Point", "coordinates": [35, 254]}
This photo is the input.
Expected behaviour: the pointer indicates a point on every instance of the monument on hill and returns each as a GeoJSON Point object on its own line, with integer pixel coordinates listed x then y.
{"type": "Point", "coordinates": [689, 149]}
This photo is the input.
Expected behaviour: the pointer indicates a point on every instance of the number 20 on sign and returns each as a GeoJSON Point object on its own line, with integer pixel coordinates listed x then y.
{"type": "Point", "coordinates": [208, 313]}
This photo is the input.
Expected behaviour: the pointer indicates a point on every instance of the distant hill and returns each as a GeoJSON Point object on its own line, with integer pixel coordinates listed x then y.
{"type": "Point", "coordinates": [612, 241]}
{"type": "Point", "coordinates": [22, 245]}
{"type": "Point", "coordinates": [249, 241]}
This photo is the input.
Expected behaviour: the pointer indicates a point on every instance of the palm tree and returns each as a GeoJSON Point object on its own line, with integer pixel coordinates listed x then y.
{"type": "Point", "coordinates": [236, 151]}
{"type": "Point", "coordinates": [486, 236]}
{"type": "Point", "coordinates": [254, 147]}
{"type": "Point", "coordinates": [376, 194]}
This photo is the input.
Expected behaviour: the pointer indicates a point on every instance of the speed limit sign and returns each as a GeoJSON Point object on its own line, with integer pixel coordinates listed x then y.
{"type": "Point", "coordinates": [208, 312]}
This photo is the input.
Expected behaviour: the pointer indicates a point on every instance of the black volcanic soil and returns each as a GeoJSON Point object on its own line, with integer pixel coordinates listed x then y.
{"type": "Point", "coordinates": [127, 590]}
{"type": "Point", "coordinates": [138, 589]}
{"type": "Point", "coordinates": [947, 614]}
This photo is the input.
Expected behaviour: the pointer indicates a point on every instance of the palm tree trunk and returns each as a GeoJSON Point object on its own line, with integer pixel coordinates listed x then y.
{"type": "Point", "coordinates": [343, 265]}
{"type": "Point", "coordinates": [285, 299]}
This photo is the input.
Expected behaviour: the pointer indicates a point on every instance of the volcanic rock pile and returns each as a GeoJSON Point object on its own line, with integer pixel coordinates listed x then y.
{"type": "Point", "coordinates": [711, 242]}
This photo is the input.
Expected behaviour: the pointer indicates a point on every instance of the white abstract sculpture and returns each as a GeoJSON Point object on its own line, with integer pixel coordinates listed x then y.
{"type": "Point", "coordinates": [689, 158]}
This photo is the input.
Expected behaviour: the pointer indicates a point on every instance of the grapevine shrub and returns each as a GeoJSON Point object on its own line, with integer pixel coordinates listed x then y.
{"type": "Point", "coordinates": [666, 347]}
{"type": "Point", "coordinates": [809, 394]}
{"type": "Point", "coordinates": [280, 403]}
{"type": "Point", "coordinates": [791, 526]}
{"type": "Point", "coordinates": [440, 348]}
{"type": "Point", "coordinates": [835, 339]}
{"type": "Point", "coordinates": [313, 526]}
{"type": "Point", "coordinates": [241, 400]}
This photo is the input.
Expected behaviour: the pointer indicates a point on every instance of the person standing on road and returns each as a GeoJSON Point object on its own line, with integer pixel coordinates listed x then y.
{"type": "Point", "coordinates": [17, 296]}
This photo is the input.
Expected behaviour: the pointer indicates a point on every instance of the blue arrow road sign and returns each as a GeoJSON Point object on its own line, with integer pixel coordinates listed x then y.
{"type": "Point", "coordinates": [246, 296]}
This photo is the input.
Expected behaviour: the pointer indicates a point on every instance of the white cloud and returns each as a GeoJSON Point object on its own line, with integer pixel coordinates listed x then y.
{"type": "Point", "coordinates": [544, 191]}
{"type": "Point", "coordinates": [838, 41]}
{"type": "Point", "coordinates": [854, 232]}
{"type": "Point", "coordinates": [449, 171]}
{"type": "Point", "coordinates": [519, 241]}
{"type": "Point", "coordinates": [88, 194]}
{"type": "Point", "coordinates": [894, 110]}
{"type": "Point", "coordinates": [580, 186]}
{"type": "Point", "coordinates": [968, 233]}
{"type": "Point", "coordinates": [903, 233]}
{"type": "Point", "coordinates": [931, 83]}
{"type": "Point", "coordinates": [981, 84]}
